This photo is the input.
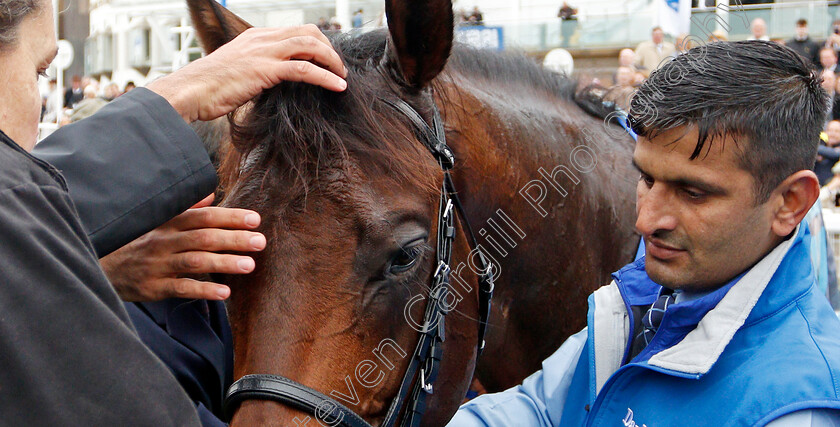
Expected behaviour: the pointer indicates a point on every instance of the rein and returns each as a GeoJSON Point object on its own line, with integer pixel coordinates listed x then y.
{"type": "Point", "coordinates": [419, 377]}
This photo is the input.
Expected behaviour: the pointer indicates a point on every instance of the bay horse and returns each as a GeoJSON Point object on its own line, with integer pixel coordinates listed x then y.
{"type": "Point", "coordinates": [349, 195]}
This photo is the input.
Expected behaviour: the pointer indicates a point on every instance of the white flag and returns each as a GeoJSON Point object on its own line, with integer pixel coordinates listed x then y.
{"type": "Point", "coordinates": [674, 16]}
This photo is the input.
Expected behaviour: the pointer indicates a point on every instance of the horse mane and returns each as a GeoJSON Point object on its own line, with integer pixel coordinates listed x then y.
{"type": "Point", "coordinates": [515, 67]}
{"type": "Point", "coordinates": [300, 130]}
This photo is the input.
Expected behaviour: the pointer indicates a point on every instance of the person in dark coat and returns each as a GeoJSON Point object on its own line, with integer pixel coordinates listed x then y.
{"type": "Point", "coordinates": [191, 336]}
{"type": "Point", "coordinates": [74, 94]}
{"type": "Point", "coordinates": [69, 352]}
{"type": "Point", "coordinates": [828, 153]}
{"type": "Point", "coordinates": [803, 45]}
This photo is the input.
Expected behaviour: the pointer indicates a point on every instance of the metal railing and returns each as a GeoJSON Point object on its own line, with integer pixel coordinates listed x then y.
{"type": "Point", "coordinates": [626, 28]}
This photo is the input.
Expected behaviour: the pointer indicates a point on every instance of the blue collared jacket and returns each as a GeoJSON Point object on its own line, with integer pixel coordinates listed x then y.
{"type": "Point", "coordinates": [763, 346]}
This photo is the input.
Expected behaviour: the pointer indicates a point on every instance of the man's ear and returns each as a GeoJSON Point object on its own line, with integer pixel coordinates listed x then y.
{"type": "Point", "coordinates": [798, 193]}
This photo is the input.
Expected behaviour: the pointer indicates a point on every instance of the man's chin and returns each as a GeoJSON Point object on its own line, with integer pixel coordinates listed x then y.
{"type": "Point", "coordinates": [664, 275]}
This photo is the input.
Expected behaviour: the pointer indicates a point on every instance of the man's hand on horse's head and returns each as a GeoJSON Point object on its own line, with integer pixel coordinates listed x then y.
{"type": "Point", "coordinates": [154, 266]}
{"type": "Point", "coordinates": [257, 59]}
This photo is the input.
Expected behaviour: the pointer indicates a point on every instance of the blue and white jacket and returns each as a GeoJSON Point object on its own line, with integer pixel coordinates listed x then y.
{"type": "Point", "coordinates": [763, 346]}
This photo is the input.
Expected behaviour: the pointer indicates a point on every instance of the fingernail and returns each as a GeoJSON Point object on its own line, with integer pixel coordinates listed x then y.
{"type": "Point", "coordinates": [342, 84]}
{"type": "Point", "coordinates": [223, 292]}
{"type": "Point", "coordinates": [245, 264]}
{"type": "Point", "coordinates": [258, 242]}
{"type": "Point", "coordinates": [252, 219]}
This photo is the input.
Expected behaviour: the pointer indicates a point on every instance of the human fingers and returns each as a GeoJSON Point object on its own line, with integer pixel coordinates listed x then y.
{"type": "Point", "coordinates": [187, 288]}
{"type": "Point", "coordinates": [207, 201]}
{"type": "Point", "coordinates": [198, 262]}
{"type": "Point", "coordinates": [215, 240]}
{"type": "Point", "coordinates": [275, 36]}
{"type": "Point", "coordinates": [216, 217]}
{"type": "Point", "coordinates": [307, 72]}
{"type": "Point", "coordinates": [311, 49]}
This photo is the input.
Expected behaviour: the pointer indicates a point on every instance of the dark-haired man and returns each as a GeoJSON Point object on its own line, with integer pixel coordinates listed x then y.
{"type": "Point", "coordinates": [720, 323]}
{"type": "Point", "coordinates": [803, 45]}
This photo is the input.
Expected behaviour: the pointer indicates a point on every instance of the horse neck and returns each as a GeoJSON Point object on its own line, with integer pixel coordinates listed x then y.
{"type": "Point", "coordinates": [509, 138]}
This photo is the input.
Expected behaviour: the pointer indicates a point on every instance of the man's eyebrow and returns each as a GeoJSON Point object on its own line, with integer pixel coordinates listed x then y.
{"type": "Point", "coordinates": [636, 165]}
{"type": "Point", "coordinates": [687, 182]}
{"type": "Point", "coordinates": [703, 186]}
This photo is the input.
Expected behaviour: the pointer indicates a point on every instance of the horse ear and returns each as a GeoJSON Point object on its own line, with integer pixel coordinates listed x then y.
{"type": "Point", "coordinates": [214, 24]}
{"type": "Point", "coordinates": [421, 39]}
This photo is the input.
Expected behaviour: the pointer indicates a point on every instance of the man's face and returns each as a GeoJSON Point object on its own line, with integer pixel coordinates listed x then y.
{"type": "Point", "coordinates": [828, 81]}
{"type": "Point", "coordinates": [827, 58]}
{"type": "Point", "coordinates": [758, 28]}
{"type": "Point", "coordinates": [801, 31]}
{"type": "Point", "coordinates": [624, 76]}
{"type": "Point", "coordinates": [21, 63]}
{"type": "Point", "coordinates": [697, 217]}
{"type": "Point", "coordinates": [626, 57]}
{"type": "Point", "coordinates": [657, 36]}
{"type": "Point", "coordinates": [833, 133]}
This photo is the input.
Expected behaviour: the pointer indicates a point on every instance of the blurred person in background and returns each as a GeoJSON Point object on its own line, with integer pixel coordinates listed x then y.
{"type": "Point", "coordinates": [476, 17]}
{"type": "Point", "coordinates": [358, 18]}
{"type": "Point", "coordinates": [129, 87]}
{"type": "Point", "coordinates": [568, 23]}
{"type": "Point", "coordinates": [51, 98]}
{"type": "Point", "coordinates": [623, 89]}
{"type": "Point", "coordinates": [683, 43]}
{"type": "Point", "coordinates": [829, 83]}
{"type": "Point", "coordinates": [828, 153]}
{"type": "Point", "coordinates": [74, 93]}
{"type": "Point", "coordinates": [758, 30]}
{"type": "Point", "coordinates": [833, 40]}
{"type": "Point", "coordinates": [651, 53]}
{"type": "Point", "coordinates": [828, 60]}
{"type": "Point", "coordinates": [626, 58]}
{"type": "Point", "coordinates": [638, 78]}
{"type": "Point", "coordinates": [718, 36]}
{"type": "Point", "coordinates": [87, 106]}
{"type": "Point", "coordinates": [803, 45]}
{"type": "Point", "coordinates": [112, 91]}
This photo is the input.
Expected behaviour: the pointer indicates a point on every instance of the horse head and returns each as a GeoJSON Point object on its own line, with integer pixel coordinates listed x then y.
{"type": "Point", "coordinates": [349, 195]}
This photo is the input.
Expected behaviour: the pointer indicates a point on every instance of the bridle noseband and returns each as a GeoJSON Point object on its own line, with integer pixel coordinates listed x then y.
{"type": "Point", "coordinates": [417, 382]}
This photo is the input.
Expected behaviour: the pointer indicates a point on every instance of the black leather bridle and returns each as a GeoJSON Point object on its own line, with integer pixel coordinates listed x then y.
{"type": "Point", "coordinates": [417, 382]}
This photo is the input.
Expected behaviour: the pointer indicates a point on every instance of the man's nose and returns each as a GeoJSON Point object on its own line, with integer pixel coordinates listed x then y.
{"type": "Point", "coordinates": [655, 211]}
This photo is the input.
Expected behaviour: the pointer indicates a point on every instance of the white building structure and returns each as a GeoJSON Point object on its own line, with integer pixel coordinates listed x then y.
{"type": "Point", "coordinates": [138, 40]}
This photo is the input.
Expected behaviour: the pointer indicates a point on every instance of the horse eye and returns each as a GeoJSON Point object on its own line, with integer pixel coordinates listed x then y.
{"type": "Point", "coordinates": [405, 259]}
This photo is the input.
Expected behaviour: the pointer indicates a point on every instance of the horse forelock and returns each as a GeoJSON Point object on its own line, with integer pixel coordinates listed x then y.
{"type": "Point", "coordinates": [301, 130]}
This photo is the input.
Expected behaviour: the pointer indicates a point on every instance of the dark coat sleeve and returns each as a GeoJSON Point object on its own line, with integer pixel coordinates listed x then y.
{"type": "Point", "coordinates": [68, 353]}
{"type": "Point", "coordinates": [193, 338]}
{"type": "Point", "coordinates": [828, 152]}
{"type": "Point", "coordinates": [131, 167]}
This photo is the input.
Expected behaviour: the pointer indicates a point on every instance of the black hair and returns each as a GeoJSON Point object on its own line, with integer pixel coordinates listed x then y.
{"type": "Point", "coordinates": [762, 95]}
